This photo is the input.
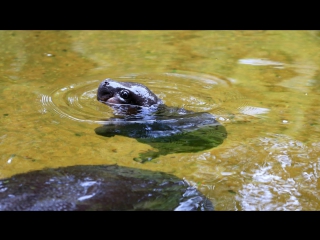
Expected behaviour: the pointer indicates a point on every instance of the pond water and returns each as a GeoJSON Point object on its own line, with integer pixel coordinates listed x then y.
{"type": "Point", "coordinates": [262, 86]}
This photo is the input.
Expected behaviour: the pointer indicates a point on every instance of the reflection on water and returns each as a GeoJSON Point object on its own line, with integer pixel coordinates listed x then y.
{"type": "Point", "coordinates": [261, 62]}
{"type": "Point", "coordinates": [262, 86]}
{"type": "Point", "coordinates": [260, 194]}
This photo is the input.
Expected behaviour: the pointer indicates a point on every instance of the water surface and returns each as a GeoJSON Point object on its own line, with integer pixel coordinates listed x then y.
{"type": "Point", "coordinates": [263, 86]}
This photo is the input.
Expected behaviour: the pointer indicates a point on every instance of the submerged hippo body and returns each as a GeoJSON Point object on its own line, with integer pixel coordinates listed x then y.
{"type": "Point", "coordinates": [140, 114]}
{"type": "Point", "coordinates": [99, 187]}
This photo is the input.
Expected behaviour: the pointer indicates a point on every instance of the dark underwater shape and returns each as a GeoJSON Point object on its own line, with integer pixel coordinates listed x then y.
{"type": "Point", "coordinates": [188, 132]}
{"type": "Point", "coordinates": [98, 188]}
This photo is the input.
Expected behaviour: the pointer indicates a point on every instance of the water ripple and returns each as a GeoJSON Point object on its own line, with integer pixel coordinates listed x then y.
{"type": "Point", "coordinates": [192, 91]}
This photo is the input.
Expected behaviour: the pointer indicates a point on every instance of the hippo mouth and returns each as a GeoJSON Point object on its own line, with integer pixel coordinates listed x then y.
{"type": "Point", "coordinates": [112, 101]}
{"type": "Point", "coordinates": [106, 97]}
{"type": "Point", "coordinates": [108, 100]}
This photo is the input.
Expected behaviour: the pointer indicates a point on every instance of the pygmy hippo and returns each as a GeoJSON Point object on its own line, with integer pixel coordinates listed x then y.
{"type": "Point", "coordinates": [140, 114]}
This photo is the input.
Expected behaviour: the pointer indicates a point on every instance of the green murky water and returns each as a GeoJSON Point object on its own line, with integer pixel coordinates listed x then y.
{"type": "Point", "coordinates": [263, 86]}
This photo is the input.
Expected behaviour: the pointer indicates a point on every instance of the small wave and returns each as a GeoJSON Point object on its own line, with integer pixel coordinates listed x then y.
{"type": "Point", "coordinates": [191, 91]}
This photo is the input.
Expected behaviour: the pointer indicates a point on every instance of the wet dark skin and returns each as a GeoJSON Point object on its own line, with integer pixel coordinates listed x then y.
{"type": "Point", "coordinates": [140, 114]}
{"type": "Point", "coordinates": [99, 188]}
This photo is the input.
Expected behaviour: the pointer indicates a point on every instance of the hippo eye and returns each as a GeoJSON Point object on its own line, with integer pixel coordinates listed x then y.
{"type": "Point", "coordinates": [124, 94]}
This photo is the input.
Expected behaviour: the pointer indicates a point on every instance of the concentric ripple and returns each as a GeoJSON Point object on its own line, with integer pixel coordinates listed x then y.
{"type": "Point", "coordinates": [77, 102]}
{"type": "Point", "coordinates": [192, 91]}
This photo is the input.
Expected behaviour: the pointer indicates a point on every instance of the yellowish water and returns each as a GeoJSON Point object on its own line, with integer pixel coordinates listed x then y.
{"type": "Point", "coordinates": [263, 86]}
